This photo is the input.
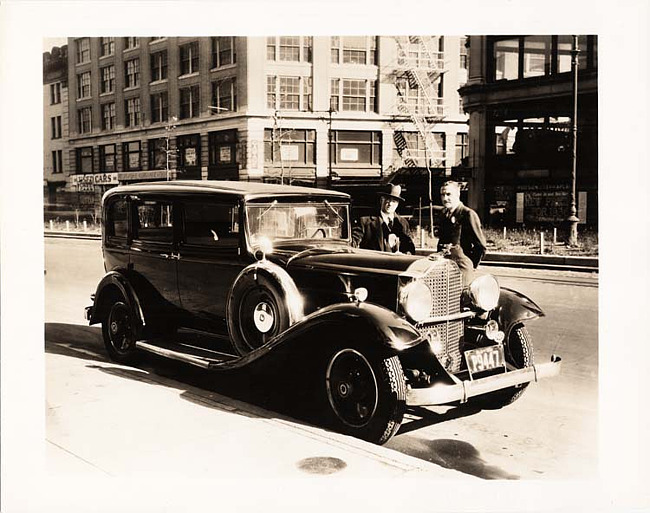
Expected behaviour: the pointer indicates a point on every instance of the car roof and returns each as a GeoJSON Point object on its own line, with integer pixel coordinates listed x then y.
{"type": "Point", "coordinates": [248, 190]}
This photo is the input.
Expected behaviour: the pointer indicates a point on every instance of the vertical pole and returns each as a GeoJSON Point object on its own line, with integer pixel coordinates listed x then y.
{"type": "Point", "coordinates": [504, 233]}
{"type": "Point", "coordinates": [554, 236]}
{"type": "Point", "coordinates": [541, 242]}
{"type": "Point", "coordinates": [420, 222]}
{"type": "Point", "coordinates": [573, 219]}
{"type": "Point", "coordinates": [329, 148]}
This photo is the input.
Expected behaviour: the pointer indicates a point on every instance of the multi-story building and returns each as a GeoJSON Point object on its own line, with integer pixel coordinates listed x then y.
{"type": "Point", "coordinates": [519, 97]}
{"type": "Point", "coordinates": [55, 120]}
{"type": "Point", "coordinates": [321, 110]}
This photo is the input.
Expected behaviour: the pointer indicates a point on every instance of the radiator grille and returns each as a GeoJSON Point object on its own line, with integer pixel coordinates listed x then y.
{"type": "Point", "coordinates": [444, 281]}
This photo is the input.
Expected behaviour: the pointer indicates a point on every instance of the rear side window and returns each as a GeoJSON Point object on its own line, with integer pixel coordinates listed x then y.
{"type": "Point", "coordinates": [211, 225]}
{"type": "Point", "coordinates": [154, 222]}
{"type": "Point", "coordinates": [117, 219]}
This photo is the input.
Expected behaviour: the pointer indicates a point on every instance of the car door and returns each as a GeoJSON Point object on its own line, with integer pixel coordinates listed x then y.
{"type": "Point", "coordinates": [210, 258]}
{"type": "Point", "coordinates": [153, 260]}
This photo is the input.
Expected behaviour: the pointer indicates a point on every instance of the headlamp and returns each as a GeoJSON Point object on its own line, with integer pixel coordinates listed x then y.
{"type": "Point", "coordinates": [416, 300]}
{"type": "Point", "coordinates": [484, 292]}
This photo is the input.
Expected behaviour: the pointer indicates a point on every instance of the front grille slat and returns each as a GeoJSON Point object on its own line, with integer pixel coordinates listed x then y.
{"type": "Point", "coordinates": [444, 281]}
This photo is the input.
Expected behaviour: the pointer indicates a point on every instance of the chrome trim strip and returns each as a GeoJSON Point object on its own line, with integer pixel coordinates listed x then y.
{"type": "Point", "coordinates": [445, 318]}
{"type": "Point", "coordinates": [441, 394]}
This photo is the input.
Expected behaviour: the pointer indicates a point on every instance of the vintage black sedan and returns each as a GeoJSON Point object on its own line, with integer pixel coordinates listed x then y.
{"type": "Point", "coordinates": [273, 267]}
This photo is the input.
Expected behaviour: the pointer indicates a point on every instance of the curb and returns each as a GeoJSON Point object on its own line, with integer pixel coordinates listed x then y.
{"type": "Point", "coordinates": [521, 260]}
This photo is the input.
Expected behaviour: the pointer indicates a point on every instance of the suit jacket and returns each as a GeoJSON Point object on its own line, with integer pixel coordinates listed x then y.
{"type": "Point", "coordinates": [463, 230]}
{"type": "Point", "coordinates": [372, 233]}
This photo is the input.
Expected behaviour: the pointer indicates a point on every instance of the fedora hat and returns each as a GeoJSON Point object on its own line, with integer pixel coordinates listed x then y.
{"type": "Point", "coordinates": [393, 192]}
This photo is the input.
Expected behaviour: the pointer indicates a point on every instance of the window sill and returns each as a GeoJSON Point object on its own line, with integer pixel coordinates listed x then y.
{"type": "Point", "coordinates": [158, 41]}
{"type": "Point", "coordinates": [224, 67]}
{"type": "Point", "coordinates": [130, 49]}
{"type": "Point", "coordinates": [189, 75]}
{"type": "Point", "coordinates": [84, 98]}
{"type": "Point", "coordinates": [104, 57]}
{"type": "Point", "coordinates": [132, 88]}
{"type": "Point", "coordinates": [107, 93]}
{"type": "Point", "coordinates": [157, 82]}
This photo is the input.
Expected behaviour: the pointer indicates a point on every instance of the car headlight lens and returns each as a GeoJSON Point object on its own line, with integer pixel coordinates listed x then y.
{"type": "Point", "coordinates": [416, 300]}
{"type": "Point", "coordinates": [484, 292]}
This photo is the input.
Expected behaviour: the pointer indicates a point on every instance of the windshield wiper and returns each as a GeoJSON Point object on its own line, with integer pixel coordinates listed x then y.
{"type": "Point", "coordinates": [273, 204]}
{"type": "Point", "coordinates": [328, 205]}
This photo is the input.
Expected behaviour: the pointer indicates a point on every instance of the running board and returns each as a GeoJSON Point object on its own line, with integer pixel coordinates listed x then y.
{"type": "Point", "coordinates": [197, 356]}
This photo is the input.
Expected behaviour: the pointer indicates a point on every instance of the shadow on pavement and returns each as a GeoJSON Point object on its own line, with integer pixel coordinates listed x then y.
{"type": "Point", "coordinates": [273, 385]}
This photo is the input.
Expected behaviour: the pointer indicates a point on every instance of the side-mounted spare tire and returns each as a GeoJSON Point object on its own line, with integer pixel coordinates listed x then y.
{"type": "Point", "coordinates": [263, 302]}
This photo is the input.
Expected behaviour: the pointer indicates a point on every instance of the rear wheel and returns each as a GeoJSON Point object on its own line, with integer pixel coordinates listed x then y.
{"type": "Point", "coordinates": [366, 393]}
{"type": "Point", "coordinates": [120, 331]}
{"type": "Point", "coordinates": [519, 354]}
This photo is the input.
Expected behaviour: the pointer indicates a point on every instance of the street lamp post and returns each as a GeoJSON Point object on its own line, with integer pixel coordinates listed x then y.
{"type": "Point", "coordinates": [573, 218]}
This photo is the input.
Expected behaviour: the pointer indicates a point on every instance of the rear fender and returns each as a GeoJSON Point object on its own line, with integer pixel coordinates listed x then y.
{"type": "Point", "coordinates": [112, 281]}
{"type": "Point", "coordinates": [515, 308]}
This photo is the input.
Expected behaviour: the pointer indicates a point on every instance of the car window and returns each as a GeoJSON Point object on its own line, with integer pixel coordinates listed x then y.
{"type": "Point", "coordinates": [211, 225]}
{"type": "Point", "coordinates": [154, 222]}
{"type": "Point", "coordinates": [117, 219]}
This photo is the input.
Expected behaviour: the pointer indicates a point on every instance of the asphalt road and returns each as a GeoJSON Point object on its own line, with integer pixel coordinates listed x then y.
{"type": "Point", "coordinates": [550, 433]}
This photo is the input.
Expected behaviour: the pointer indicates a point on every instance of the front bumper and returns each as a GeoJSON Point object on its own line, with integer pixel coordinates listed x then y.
{"type": "Point", "coordinates": [440, 393]}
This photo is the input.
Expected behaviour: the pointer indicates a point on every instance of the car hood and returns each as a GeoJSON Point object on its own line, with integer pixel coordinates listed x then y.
{"type": "Point", "coordinates": [341, 258]}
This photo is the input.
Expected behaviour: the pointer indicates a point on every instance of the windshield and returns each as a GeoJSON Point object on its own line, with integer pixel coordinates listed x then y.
{"type": "Point", "coordinates": [281, 222]}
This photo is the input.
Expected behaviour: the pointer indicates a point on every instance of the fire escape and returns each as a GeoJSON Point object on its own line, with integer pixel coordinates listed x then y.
{"type": "Point", "coordinates": [418, 71]}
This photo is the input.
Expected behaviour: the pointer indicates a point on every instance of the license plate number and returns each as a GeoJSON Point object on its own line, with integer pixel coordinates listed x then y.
{"type": "Point", "coordinates": [484, 359]}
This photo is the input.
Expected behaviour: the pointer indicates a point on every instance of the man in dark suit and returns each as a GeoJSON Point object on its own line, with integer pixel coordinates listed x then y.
{"type": "Point", "coordinates": [386, 231]}
{"type": "Point", "coordinates": [460, 234]}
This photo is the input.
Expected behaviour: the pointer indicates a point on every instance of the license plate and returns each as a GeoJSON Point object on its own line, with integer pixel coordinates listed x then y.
{"type": "Point", "coordinates": [484, 359]}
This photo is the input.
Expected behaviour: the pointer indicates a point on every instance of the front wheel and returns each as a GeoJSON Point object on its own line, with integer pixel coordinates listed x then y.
{"type": "Point", "coordinates": [519, 354]}
{"type": "Point", "coordinates": [120, 332]}
{"type": "Point", "coordinates": [366, 394]}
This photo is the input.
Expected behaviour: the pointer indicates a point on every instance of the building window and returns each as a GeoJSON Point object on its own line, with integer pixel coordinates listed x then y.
{"type": "Point", "coordinates": [462, 148]}
{"type": "Point", "coordinates": [189, 58]}
{"type": "Point", "coordinates": [85, 160]}
{"type": "Point", "coordinates": [159, 66]}
{"type": "Point", "coordinates": [189, 102]}
{"type": "Point", "coordinates": [56, 127]}
{"type": "Point", "coordinates": [223, 51]}
{"type": "Point", "coordinates": [356, 148]}
{"type": "Point", "coordinates": [83, 85]}
{"type": "Point", "coordinates": [108, 116]}
{"type": "Point", "coordinates": [57, 161]}
{"type": "Point", "coordinates": [133, 112]}
{"type": "Point", "coordinates": [292, 147]}
{"type": "Point", "coordinates": [55, 93]}
{"type": "Point", "coordinates": [224, 95]}
{"type": "Point", "coordinates": [189, 151]}
{"type": "Point", "coordinates": [83, 50]}
{"type": "Point", "coordinates": [353, 50]}
{"type": "Point", "coordinates": [533, 56]}
{"type": "Point", "coordinates": [464, 55]}
{"type": "Point", "coordinates": [158, 153]}
{"type": "Point", "coordinates": [289, 48]}
{"type": "Point", "coordinates": [289, 93]}
{"type": "Point", "coordinates": [132, 73]}
{"type": "Point", "coordinates": [222, 150]}
{"type": "Point", "coordinates": [353, 95]}
{"type": "Point", "coordinates": [108, 79]}
{"type": "Point", "coordinates": [131, 152]}
{"type": "Point", "coordinates": [159, 107]}
{"type": "Point", "coordinates": [85, 120]}
{"type": "Point", "coordinates": [107, 45]}
{"type": "Point", "coordinates": [131, 42]}
{"type": "Point", "coordinates": [107, 158]}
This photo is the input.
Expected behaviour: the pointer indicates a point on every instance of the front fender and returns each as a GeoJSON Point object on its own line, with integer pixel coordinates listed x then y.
{"type": "Point", "coordinates": [515, 308]}
{"type": "Point", "coordinates": [362, 322]}
{"type": "Point", "coordinates": [111, 282]}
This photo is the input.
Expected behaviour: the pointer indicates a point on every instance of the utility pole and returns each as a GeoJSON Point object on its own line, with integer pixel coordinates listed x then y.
{"type": "Point", "coordinates": [573, 218]}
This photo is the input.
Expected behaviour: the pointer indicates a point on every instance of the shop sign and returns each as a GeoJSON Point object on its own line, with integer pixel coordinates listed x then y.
{"type": "Point", "coordinates": [190, 156]}
{"type": "Point", "coordinates": [88, 181]}
{"type": "Point", "coordinates": [225, 154]}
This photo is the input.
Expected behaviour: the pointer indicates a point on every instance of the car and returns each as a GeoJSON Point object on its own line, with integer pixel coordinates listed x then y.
{"type": "Point", "coordinates": [272, 268]}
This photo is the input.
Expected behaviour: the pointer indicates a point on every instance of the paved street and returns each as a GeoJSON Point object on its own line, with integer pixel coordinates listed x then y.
{"type": "Point", "coordinates": [549, 434]}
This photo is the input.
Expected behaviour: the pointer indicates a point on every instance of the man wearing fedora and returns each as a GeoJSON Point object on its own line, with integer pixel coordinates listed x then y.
{"type": "Point", "coordinates": [387, 231]}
